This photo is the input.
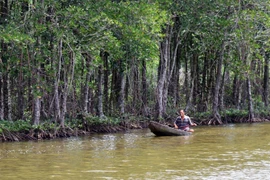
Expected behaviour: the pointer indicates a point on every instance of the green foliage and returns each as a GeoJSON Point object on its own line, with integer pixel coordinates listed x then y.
{"type": "Point", "coordinates": [94, 120]}
{"type": "Point", "coordinates": [202, 115]}
{"type": "Point", "coordinates": [234, 113]}
{"type": "Point", "coordinates": [15, 126]}
{"type": "Point", "coordinates": [46, 126]}
{"type": "Point", "coordinates": [129, 31]}
{"type": "Point", "coordinates": [74, 123]}
{"type": "Point", "coordinates": [8, 35]}
{"type": "Point", "coordinates": [228, 113]}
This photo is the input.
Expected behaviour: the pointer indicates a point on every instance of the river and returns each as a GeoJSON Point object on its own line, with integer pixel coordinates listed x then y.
{"type": "Point", "coordinates": [239, 151]}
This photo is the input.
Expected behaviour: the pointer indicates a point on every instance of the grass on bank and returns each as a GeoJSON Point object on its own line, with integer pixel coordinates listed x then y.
{"type": "Point", "coordinates": [87, 122]}
{"type": "Point", "coordinates": [79, 123]}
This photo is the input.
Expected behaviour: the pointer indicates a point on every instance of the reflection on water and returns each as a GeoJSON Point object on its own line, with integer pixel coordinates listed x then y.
{"type": "Point", "coordinates": [227, 152]}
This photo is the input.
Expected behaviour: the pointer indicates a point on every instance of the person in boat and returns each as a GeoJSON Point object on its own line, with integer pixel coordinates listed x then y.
{"type": "Point", "coordinates": [184, 122]}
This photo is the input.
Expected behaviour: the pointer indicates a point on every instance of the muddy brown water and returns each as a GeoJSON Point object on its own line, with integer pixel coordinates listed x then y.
{"type": "Point", "coordinates": [219, 152]}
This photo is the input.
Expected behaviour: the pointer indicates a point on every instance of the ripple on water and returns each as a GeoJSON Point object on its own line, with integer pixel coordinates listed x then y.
{"type": "Point", "coordinates": [225, 152]}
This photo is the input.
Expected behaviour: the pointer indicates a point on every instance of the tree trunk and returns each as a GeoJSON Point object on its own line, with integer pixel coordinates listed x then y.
{"type": "Point", "coordinates": [202, 101]}
{"type": "Point", "coordinates": [36, 77]}
{"type": "Point", "coordinates": [63, 108]}
{"type": "Point", "coordinates": [115, 86]}
{"type": "Point", "coordinates": [144, 90]}
{"type": "Point", "coordinates": [177, 84]}
{"type": "Point", "coordinates": [85, 100]}
{"type": "Point", "coordinates": [266, 81]}
{"type": "Point", "coordinates": [245, 54]}
{"type": "Point", "coordinates": [239, 95]}
{"type": "Point", "coordinates": [100, 94]}
{"type": "Point", "coordinates": [135, 88]}
{"type": "Point", "coordinates": [210, 82]}
{"type": "Point", "coordinates": [122, 94]}
{"type": "Point", "coordinates": [190, 96]}
{"type": "Point", "coordinates": [250, 101]}
{"type": "Point", "coordinates": [21, 101]}
{"type": "Point", "coordinates": [187, 78]}
{"type": "Point", "coordinates": [165, 71]}
{"type": "Point", "coordinates": [57, 72]}
{"type": "Point", "coordinates": [249, 91]}
{"type": "Point", "coordinates": [1, 97]}
{"type": "Point", "coordinates": [37, 110]}
{"type": "Point", "coordinates": [234, 90]}
{"type": "Point", "coordinates": [104, 56]}
{"type": "Point", "coordinates": [172, 91]}
{"type": "Point", "coordinates": [91, 104]}
{"type": "Point", "coordinates": [197, 80]}
{"type": "Point", "coordinates": [37, 102]}
{"type": "Point", "coordinates": [7, 97]}
{"type": "Point", "coordinates": [215, 111]}
{"type": "Point", "coordinates": [237, 92]}
{"type": "Point", "coordinates": [173, 54]}
{"type": "Point", "coordinates": [68, 80]}
{"type": "Point", "coordinates": [173, 77]}
{"type": "Point", "coordinates": [162, 77]}
{"type": "Point", "coordinates": [222, 88]}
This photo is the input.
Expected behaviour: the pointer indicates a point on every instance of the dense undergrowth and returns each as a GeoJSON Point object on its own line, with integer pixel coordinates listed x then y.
{"type": "Point", "coordinates": [233, 116]}
{"type": "Point", "coordinates": [22, 130]}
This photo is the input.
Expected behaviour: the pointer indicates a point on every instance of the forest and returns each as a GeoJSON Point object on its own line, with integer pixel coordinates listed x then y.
{"type": "Point", "coordinates": [76, 66]}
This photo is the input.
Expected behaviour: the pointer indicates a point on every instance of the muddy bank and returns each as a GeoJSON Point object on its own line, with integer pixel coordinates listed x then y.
{"type": "Point", "coordinates": [38, 134]}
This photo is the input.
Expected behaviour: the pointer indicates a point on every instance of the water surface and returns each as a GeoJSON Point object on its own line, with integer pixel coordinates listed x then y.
{"type": "Point", "coordinates": [224, 152]}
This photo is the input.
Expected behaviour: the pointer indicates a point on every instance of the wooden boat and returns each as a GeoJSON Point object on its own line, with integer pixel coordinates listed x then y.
{"type": "Point", "coordinates": [164, 130]}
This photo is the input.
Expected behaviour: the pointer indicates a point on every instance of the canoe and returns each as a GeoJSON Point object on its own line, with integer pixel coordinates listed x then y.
{"type": "Point", "coordinates": [164, 130]}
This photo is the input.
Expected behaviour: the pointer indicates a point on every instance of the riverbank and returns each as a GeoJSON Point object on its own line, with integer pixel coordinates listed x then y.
{"type": "Point", "coordinates": [23, 130]}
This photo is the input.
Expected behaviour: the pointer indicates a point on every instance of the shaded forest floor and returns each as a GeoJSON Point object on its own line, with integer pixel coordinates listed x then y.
{"type": "Point", "coordinates": [24, 131]}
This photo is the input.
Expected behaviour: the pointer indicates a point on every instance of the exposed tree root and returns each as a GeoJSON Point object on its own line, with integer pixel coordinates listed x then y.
{"type": "Point", "coordinates": [14, 136]}
{"type": "Point", "coordinates": [227, 120]}
{"type": "Point", "coordinates": [212, 121]}
{"type": "Point", "coordinates": [60, 132]}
